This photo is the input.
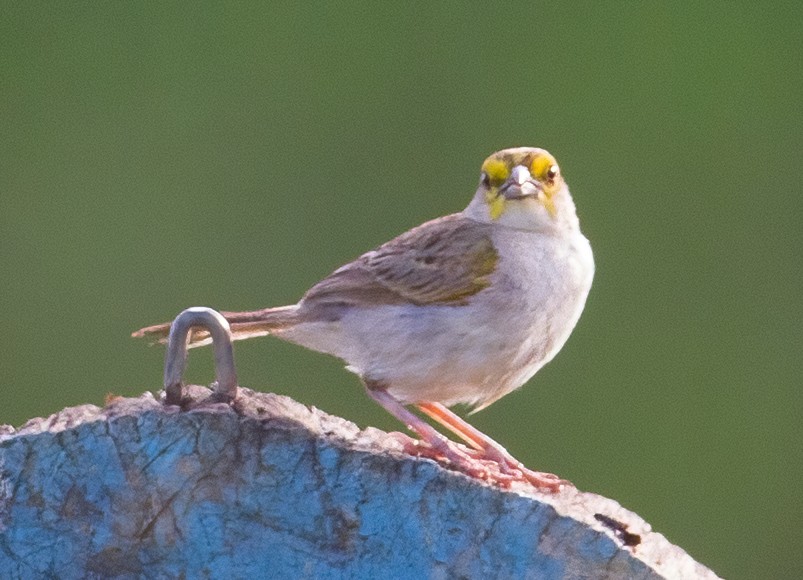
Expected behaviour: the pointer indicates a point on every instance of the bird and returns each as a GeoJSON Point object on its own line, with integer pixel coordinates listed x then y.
{"type": "Point", "coordinates": [462, 309]}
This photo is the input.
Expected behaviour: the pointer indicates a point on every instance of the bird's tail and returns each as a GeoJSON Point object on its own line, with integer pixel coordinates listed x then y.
{"type": "Point", "coordinates": [243, 325]}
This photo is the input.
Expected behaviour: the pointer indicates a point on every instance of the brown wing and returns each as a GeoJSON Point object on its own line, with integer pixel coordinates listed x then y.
{"type": "Point", "coordinates": [444, 261]}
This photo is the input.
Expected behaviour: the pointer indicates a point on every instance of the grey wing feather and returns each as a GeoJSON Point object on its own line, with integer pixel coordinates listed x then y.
{"type": "Point", "coordinates": [444, 261]}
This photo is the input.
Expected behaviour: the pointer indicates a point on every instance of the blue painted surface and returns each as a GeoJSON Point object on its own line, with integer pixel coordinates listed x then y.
{"type": "Point", "coordinates": [216, 495]}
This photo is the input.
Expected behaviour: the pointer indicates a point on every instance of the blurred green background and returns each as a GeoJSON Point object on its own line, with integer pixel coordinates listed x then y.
{"type": "Point", "coordinates": [157, 156]}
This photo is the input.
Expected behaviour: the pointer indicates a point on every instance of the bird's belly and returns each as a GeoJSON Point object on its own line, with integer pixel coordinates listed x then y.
{"type": "Point", "coordinates": [449, 354]}
{"type": "Point", "coordinates": [420, 353]}
{"type": "Point", "coordinates": [472, 353]}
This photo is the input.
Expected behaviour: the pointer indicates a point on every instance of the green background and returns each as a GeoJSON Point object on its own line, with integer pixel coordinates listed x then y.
{"type": "Point", "coordinates": [157, 156]}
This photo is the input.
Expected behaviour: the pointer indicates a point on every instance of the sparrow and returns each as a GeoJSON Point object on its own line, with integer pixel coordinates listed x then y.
{"type": "Point", "coordinates": [462, 309]}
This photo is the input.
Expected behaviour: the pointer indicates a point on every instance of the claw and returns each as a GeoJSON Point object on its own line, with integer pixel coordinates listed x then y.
{"type": "Point", "coordinates": [474, 464]}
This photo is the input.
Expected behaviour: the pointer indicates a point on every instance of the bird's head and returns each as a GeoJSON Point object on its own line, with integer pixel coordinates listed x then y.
{"type": "Point", "coordinates": [522, 188]}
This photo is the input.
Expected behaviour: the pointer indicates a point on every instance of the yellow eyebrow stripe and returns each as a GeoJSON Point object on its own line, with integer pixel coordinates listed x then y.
{"type": "Point", "coordinates": [496, 170]}
{"type": "Point", "coordinates": [540, 165]}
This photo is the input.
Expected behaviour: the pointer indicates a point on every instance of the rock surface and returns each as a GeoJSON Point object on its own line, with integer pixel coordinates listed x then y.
{"type": "Point", "coordinates": [267, 487]}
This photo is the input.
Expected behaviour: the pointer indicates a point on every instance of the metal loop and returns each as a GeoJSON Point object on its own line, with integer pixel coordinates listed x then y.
{"type": "Point", "coordinates": [176, 356]}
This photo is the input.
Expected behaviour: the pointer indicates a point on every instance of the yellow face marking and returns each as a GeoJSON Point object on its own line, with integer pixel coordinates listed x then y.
{"type": "Point", "coordinates": [539, 167]}
{"type": "Point", "coordinates": [545, 169]}
{"type": "Point", "coordinates": [548, 204]}
{"type": "Point", "coordinates": [542, 166]}
{"type": "Point", "coordinates": [496, 204]}
{"type": "Point", "coordinates": [496, 170]}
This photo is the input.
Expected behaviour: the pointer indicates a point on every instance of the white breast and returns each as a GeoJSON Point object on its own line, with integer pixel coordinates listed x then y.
{"type": "Point", "coordinates": [472, 353]}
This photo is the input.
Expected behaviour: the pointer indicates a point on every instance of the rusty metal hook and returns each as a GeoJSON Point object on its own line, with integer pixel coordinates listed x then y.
{"type": "Point", "coordinates": [176, 355]}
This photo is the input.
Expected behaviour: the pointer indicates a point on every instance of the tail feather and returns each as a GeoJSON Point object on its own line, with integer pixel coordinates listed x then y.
{"type": "Point", "coordinates": [243, 325]}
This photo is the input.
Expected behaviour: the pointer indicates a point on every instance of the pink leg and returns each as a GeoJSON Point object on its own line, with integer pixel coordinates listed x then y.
{"type": "Point", "coordinates": [487, 460]}
{"type": "Point", "coordinates": [489, 448]}
{"type": "Point", "coordinates": [440, 445]}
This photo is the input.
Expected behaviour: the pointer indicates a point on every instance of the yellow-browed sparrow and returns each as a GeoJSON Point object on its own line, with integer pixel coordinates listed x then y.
{"type": "Point", "coordinates": [462, 309]}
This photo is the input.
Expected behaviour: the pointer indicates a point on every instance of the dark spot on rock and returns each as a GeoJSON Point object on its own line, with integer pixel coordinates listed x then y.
{"type": "Point", "coordinates": [345, 529]}
{"type": "Point", "coordinates": [76, 506]}
{"type": "Point", "coordinates": [619, 530]}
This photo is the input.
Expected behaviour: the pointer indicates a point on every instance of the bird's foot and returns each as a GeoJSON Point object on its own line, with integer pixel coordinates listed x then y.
{"type": "Point", "coordinates": [479, 464]}
{"type": "Point", "coordinates": [514, 468]}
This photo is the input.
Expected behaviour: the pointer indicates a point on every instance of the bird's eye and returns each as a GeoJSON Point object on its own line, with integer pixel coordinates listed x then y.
{"type": "Point", "coordinates": [552, 172]}
{"type": "Point", "coordinates": [485, 180]}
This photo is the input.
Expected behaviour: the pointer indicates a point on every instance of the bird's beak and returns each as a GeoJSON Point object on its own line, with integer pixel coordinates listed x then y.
{"type": "Point", "coordinates": [520, 184]}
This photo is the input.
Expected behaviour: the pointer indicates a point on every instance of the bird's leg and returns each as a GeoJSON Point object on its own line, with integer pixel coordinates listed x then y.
{"type": "Point", "coordinates": [442, 446]}
{"type": "Point", "coordinates": [489, 448]}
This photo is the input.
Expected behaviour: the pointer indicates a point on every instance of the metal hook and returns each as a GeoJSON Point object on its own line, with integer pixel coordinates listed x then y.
{"type": "Point", "coordinates": [176, 356]}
